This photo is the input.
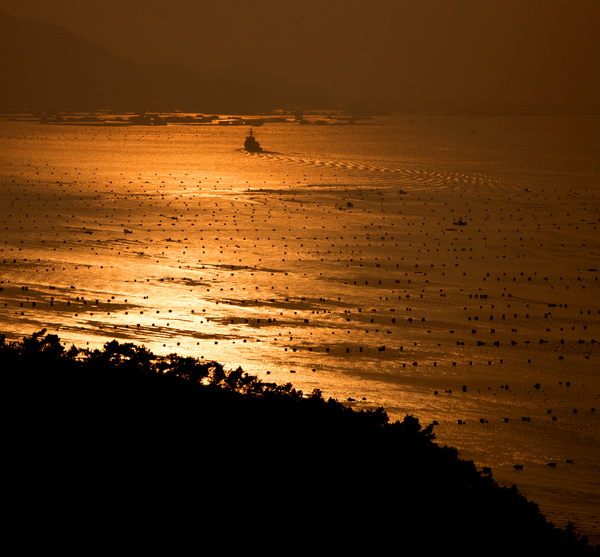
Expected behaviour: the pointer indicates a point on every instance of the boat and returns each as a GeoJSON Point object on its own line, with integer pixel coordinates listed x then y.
{"type": "Point", "coordinates": [251, 145]}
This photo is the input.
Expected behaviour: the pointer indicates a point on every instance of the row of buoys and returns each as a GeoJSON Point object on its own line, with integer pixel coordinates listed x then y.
{"type": "Point", "coordinates": [224, 225]}
{"type": "Point", "coordinates": [551, 464]}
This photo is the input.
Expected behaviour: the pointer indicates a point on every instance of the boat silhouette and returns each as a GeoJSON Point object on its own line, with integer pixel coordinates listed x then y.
{"type": "Point", "coordinates": [251, 144]}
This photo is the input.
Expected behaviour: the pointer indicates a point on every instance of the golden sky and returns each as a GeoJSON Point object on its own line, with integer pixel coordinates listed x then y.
{"type": "Point", "coordinates": [511, 50]}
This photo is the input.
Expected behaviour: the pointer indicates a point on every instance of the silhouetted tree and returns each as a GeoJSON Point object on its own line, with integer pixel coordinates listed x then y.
{"type": "Point", "coordinates": [122, 423]}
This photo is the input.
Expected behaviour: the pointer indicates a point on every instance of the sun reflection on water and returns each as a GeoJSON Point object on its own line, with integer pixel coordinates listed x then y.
{"type": "Point", "coordinates": [324, 267]}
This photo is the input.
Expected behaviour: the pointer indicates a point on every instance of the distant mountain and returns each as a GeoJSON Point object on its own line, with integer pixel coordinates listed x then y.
{"type": "Point", "coordinates": [47, 68]}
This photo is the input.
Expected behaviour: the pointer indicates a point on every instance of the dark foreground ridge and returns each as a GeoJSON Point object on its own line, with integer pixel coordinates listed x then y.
{"type": "Point", "coordinates": [119, 446]}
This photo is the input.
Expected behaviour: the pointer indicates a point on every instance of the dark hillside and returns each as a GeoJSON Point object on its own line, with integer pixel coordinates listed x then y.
{"type": "Point", "coordinates": [119, 443]}
{"type": "Point", "coordinates": [47, 68]}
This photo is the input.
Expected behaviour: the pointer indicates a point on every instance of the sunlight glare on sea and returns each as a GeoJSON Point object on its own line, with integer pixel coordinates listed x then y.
{"type": "Point", "coordinates": [444, 267]}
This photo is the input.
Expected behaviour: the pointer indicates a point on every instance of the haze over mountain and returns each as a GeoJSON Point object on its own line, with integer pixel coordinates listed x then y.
{"type": "Point", "coordinates": [47, 68]}
{"type": "Point", "coordinates": [467, 56]}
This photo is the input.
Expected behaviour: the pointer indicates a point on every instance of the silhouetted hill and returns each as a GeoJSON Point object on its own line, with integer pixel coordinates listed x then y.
{"type": "Point", "coordinates": [118, 446]}
{"type": "Point", "coordinates": [47, 68]}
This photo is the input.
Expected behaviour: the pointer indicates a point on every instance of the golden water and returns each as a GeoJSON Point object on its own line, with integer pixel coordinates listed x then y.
{"type": "Point", "coordinates": [336, 260]}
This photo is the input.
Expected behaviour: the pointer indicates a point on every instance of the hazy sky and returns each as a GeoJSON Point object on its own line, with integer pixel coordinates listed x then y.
{"type": "Point", "coordinates": [496, 50]}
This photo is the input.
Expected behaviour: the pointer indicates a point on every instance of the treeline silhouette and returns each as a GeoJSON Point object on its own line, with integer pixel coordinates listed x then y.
{"type": "Point", "coordinates": [119, 445]}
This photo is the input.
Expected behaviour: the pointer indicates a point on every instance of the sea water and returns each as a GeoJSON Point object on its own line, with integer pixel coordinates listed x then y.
{"type": "Point", "coordinates": [443, 267]}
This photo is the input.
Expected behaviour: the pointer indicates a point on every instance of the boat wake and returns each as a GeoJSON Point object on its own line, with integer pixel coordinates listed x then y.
{"type": "Point", "coordinates": [421, 178]}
